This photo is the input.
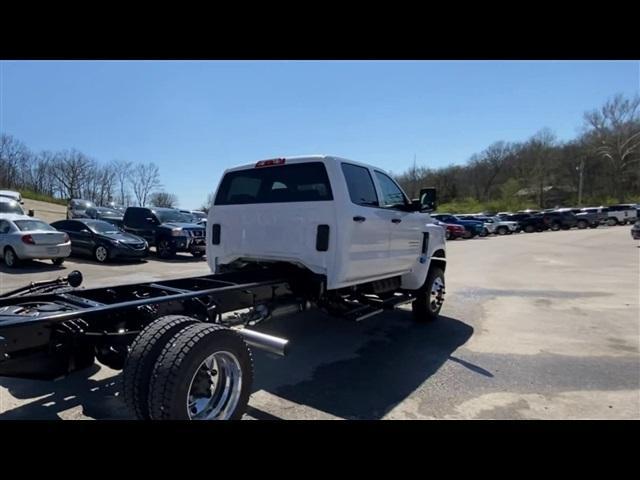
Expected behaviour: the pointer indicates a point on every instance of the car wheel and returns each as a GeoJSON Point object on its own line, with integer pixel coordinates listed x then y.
{"type": "Point", "coordinates": [447, 235]}
{"type": "Point", "coordinates": [165, 250]}
{"type": "Point", "coordinates": [197, 254]}
{"type": "Point", "coordinates": [555, 226]}
{"type": "Point", "coordinates": [612, 222]}
{"type": "Point", "coordinates": [529, 229]}
{"type": "Point", "coordinates": [593, 225]}
{"type": "Point", "coordinates": [57, 261]}
{"type": "Point", "coordinates": [101, 254]}
{"type": "Point", "coordinates": [502, 230]}
{"type": "Point", "coordinates": [11, 260]}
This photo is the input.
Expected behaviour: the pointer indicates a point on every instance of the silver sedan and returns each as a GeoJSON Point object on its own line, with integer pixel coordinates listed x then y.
{"type": "Point", "coordinates": [27, 238]}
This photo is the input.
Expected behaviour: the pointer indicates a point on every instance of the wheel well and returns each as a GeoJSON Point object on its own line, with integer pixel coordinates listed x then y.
{"type": "Point", "coordinates": [436, 262]}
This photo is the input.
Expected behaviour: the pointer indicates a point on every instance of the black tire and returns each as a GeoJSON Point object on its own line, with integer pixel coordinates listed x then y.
{"type": "Point", "coordinates": [197, 254]}
{"type": "Point", "coordinates": [424, 310]}
{"type": "Point", "coordinates": [612, 222]}
{"type": "Point", "coordinates": [142, 357]}
{"type": "Point", "coordinates": [165, 249]}
{"type": "Point", "coordinates": [484, 233]}
{"type": "Point", "coordinates": [101, 254]}
{"type": "Point", "coordinates": [11, 260]}
{"type": "Point", "coordinates": [447, 235]}
{"type": "Point", "coordinates": [57, 261]}
{"type": "Point", "coordinates": [594, 225]}
{"type": "Point", "coordinates": [582, 224]}
{"type": "Point", "coordinates": [502, 230]}
{"type": "Point", "coordinates": [181, 359]}
{"type": "Point", "coordinates": [555, 226]}
{"type": "Point", "coordinates": [529, 229]}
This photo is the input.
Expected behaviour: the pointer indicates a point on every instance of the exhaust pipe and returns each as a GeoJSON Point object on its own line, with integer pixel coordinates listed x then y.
{"type": "Point", "coordinates": [265, 342]}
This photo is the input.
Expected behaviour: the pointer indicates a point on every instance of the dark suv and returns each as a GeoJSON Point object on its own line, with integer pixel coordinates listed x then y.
{"type": "Point", "coordinates": [167, 229]}
{"type": "Point", "coordinates": [527, 222]}
{"type": "Point", "coordinates": [560, 220]}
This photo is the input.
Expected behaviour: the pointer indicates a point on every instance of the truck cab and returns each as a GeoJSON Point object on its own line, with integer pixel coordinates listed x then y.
{"type": "Point", "coordinates": [346, 221]}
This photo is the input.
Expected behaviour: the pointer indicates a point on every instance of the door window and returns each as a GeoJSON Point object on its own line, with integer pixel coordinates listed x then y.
{"type": "Point", "coordinates": [360, 185]}
{"type": "Point", "coordinates": [392, 196]}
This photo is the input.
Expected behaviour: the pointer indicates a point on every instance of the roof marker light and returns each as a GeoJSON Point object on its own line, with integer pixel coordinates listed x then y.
{"type": "Point", "coordinates": [270, 163]}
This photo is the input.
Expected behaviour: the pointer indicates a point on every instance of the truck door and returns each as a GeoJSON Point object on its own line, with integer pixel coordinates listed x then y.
{"type": "Point", "coordinates": [367, 228]}
{"type": "Point", "coordinates": [406, 227]}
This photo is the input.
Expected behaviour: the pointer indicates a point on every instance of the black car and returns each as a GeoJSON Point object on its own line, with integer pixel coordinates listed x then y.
{"type": "Point", "coordinates": [527, 222]}
{"type": "Point", "coordinates": [167, 229]}
{"type": "Point", "coordinates": [560, 220]}
{"type": "Point", "coordinates": [107, 214]}
{"type": "Point", "coordinates": [102, 240]}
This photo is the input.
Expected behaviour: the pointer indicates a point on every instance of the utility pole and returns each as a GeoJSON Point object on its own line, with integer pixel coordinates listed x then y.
{"type": "Point", "coordinates": [580, 169]}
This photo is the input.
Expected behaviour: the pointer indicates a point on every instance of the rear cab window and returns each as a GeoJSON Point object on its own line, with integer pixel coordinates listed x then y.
{"type": "Point", "coordinates": [297, 182]}
{"type": "Point", "coordinates": [360, 185]}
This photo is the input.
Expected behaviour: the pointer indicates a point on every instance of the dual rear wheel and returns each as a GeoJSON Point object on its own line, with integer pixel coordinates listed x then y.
{"type": "Point", "coordinates": [182, 369]}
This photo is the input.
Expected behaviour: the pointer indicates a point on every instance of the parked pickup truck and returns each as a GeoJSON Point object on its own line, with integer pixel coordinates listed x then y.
{"type": "Point", "coordinates": [167, 229]}
{"type": "Point", "coordinates": [621, 214]}
{"type": "Point", "coordinates": [527, 222]}
{"type": "Point", "coordinates": [285, 235]}
{"type": "Point", "coordinates": [584, 217]}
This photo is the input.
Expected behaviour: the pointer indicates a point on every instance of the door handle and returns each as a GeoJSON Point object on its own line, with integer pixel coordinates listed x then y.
{"type": "Point", "coordinates": [359, 219]}
{"type": "Point", "coordinates": [396, 220]}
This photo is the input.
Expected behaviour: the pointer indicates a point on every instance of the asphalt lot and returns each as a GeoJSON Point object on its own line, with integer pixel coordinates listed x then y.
{"type": "Point", "coordinates": [535, 326]}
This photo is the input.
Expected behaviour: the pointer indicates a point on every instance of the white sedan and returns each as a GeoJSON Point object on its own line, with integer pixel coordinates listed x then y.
{"type": "Point", "coordinates": [27, 238]}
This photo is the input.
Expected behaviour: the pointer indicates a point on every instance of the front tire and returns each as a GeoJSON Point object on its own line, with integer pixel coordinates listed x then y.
{"type": "Point", "coordinates": [197, 254]}
{"type": "Point", "coordinates": [430, 298]}
{"type": "Point", "coordinates": [205, 372]}
{"type": "Point", "coordinates": [612, 222]}
{"type": "Point", "coordinates": [57, 261]}
{"type": "Point", "coordinates": [11, 260]}
{"type": "Point", "coordinates": [582, 224]}
{"type": "Point", "coordinates": [503, 230]}
{"type": "Point", "coordinates": [101, 254]}
{"type": "Point", "coordinates": [165, 250]}
{"type": "Point", "coordinates": [529, 229]}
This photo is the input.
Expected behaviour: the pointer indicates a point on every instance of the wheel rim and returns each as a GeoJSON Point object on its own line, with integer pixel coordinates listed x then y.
{"type": "Point", "coordinates": [9, 258]}
{"type": "Point", "coordinates": [164, 248]}
{"type": "Point", "coordinates": [436, 297]}
{"type": "Point", "coordinates": [214, 390]}
{"type": "Point", "coordinates": [101, 254]}
{"type": "Point", "coordinates": [611, 222]}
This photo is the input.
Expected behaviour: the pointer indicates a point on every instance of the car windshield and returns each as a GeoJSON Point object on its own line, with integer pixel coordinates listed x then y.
{"type": "Point", "coordinates": [166, 216]}
{"type": "Point", "coordinates": [82, 204]}
{"type": "Point", "coordinates": [11, 207]}
{"type": "Point", "coordinates": [102, 227]}
{"type": "Point", "coordinates": [198, 215]}
{"type": "Point", "coordinates": [32, 225]}
{"type": "Point", "coordinates": [108, 212]}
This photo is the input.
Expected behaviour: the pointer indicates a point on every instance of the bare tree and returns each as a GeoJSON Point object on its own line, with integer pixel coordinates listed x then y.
{"type": "Point", "coordinates": [71, 170]}
{"type": "Point", "coordinates": [163, 199]}
{"type": "Point", "coordinates": [144, 178]}
{"type": "Point", "coordinates": [123, 169]}
{"type": "Point", "coordinates": [12, 156]}
{"type": "Point", "coordinates": [207, 203]}
{"type": "Point", "coordinates": [615, 134]}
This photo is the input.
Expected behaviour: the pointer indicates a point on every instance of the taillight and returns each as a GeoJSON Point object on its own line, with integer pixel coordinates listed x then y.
{"type": "Point", "coordinates": [270, 163]}
{"type": "Point", "coordinates": [28, 239]}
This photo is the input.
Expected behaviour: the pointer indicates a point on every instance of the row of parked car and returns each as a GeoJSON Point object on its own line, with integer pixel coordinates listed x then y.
{"type": "Point", "coordinates": [529, 221]}
{"type": "Point", "coordinates": [102, 233]}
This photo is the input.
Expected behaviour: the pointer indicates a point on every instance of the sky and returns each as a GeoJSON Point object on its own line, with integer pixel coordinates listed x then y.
{"type": "Point", "coordinates": [196, 118]}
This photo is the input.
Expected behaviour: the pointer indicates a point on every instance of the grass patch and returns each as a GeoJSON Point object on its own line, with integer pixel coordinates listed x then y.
{"type": "Point", "coordinates": [41, 197]}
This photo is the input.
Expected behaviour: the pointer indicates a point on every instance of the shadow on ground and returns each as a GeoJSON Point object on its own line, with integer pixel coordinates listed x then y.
{"type": "Point", "coordinates": [359, 371]}
{"type": "Point", "coordinates": [97, 398]}
{"type": "Point", "coordinates": [31, 266]}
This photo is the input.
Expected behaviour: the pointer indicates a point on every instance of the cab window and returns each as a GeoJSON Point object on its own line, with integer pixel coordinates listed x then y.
{"type": "Point", "coordinates": [392, 196]}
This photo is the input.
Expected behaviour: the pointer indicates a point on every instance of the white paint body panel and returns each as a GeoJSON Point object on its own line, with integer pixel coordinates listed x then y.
{"type": "Point", "coordinates": [359, 252]}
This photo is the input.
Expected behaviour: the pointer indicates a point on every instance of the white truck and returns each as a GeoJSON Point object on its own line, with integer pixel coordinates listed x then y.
{"type": "Point", "coordinates": [621, 214]}
{"type": "Point", "coordinates": [284, 235]}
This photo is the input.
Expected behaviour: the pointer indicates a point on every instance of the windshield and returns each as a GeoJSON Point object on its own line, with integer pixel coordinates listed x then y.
{"type": "Point", "coordinates": [166, 216]}
{"type": "Point", "coordinates": [102, 227]}
{"type": "Point", "coordinates": [108, 213]}
{"type": "Point", "coordinates": [11, 207]}
{"type": "Point", "coordinates": [31, 225]}
{"type": "Point", "coordinates": [82, 204]}
{"type": "Point", "coordinates": [198, 215]}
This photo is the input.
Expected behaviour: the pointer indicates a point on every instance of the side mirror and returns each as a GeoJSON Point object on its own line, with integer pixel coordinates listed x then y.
{"type": "Point", "coordinates": [428, 200]}
{"type": "Point", "coordinates": [31, 213]}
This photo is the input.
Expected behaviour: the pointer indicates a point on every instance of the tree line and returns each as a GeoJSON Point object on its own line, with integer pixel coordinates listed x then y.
{"type": "Point", "coordinates": [72, 174]}
{"type": "Point", "coordinates": [598, 167]}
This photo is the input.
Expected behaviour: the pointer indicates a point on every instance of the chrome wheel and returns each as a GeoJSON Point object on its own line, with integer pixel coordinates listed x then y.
{"type": "Point", "coordinates": [101, 254]}
{"type": "Point", "coordinates": [215, 388]}
{"type": "Point", "coordinates": [436, 297]}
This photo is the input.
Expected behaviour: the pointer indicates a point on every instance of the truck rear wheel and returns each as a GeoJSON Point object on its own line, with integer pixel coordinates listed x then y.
{"type": "Point", "coordinates": [204, 372]}
{"type": "Point", "coordinates": [582, 224]}
{"type": "Point", "coordinates": [142, 357]}
{"type": "Point", "coordinates": [430, 297]}
{"type": "Point", "coordinates": [612, 222]}
{"type": "Point", "coordinates": [502, 230]}
{"type": "Point", "coordinates": [165, 249]}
